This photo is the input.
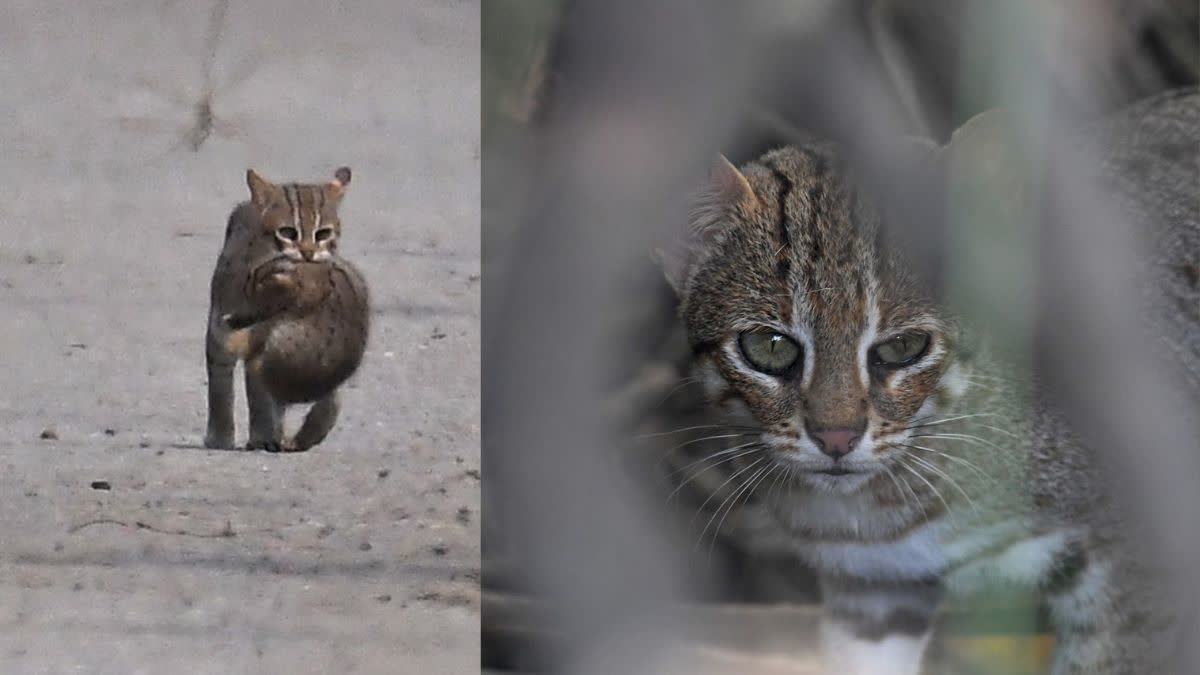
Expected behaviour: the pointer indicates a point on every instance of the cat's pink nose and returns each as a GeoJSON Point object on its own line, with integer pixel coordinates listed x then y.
{"type": "Point", "coordinates": [836, 443]}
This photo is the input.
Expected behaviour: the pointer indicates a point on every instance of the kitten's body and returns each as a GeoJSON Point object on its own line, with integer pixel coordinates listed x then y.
{"type": "Point", "coordinates": [965, 478]}
{"type": "Point", "coordinates": [284, 301]}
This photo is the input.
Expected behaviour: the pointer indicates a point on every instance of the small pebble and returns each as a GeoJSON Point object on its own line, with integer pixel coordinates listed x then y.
{"type": "Point", "coordinates": [384, 598]}
{"type": "Point", "coordinates": [384, 473]}
{"type": "Point", "coordinates": [439, 549]}
{"type": "Point", "coordinates": [464, 515]}
{"type": "Point", "coordinates": [110, 432]}
{"type": "Point", "coordinates": [49, 434]}
{"type": "Point", "coordinates": [365, 546]}
{"type": "Point", "coordinates": [101, 485]}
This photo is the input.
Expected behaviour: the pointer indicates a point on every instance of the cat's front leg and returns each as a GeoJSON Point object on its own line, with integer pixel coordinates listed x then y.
{"type": "Point", "coordinates": [877, 628]}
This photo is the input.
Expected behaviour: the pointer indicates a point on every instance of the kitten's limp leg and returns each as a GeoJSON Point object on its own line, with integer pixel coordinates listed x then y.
{"type": "Point", "coordinates": [317, 423]}
{"type": "Point", "coordinates": [877, 629]}
{"type": "Point", "coordinates": [220, 365]}
{"type": "Point", "coordinates": [266, 414]}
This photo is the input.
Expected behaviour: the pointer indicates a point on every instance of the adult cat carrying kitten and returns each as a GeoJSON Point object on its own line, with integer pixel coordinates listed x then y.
{"type": "Point", "coordinates": [913, 465]}
{"type": "Point", "coordinates": [287, 303]}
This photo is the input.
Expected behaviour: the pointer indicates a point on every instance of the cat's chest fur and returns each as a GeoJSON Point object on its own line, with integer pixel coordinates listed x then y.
{"type": "Point", "coordinates": [853, 536]}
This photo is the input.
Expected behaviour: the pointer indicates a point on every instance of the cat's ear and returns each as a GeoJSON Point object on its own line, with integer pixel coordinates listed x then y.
{"type": "Point", "coordinates": [985, 154]}
{"type": "Point", "coordinates": [262, 191]}
{"type": "Point", "coordinates": [336, 188]}
{"type": "Point", "coordinates": [727, 189]}
{"type": "Point", "coordinates": [728, 185]}
{"type": "Point", "coordinates": [986, 144]}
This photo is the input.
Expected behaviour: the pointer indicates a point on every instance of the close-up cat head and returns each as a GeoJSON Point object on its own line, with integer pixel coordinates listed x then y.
{"type": "Point", "coordinates": [804, 327]}
{"type": "Point", "coordinates": [302, 219]}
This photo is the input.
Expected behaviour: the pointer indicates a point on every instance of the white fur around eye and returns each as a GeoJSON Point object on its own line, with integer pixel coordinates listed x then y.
{"type": "Point", "coordinates": [734, 354]}
{"type": "Point", "coordinates": [933, 357]}
{"type": "Point", "coordinates": [867, 341]}
{"type": "Point", "coordinates": [955, 382]}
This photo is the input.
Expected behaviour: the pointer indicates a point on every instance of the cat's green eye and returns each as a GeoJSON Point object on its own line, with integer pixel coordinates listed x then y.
{"type": "Point", "coordinates": [901, 350]}
{"type": "Point", "coordinates": [768, 351]}
{"type": "Point", "coordinates": [289, 233]}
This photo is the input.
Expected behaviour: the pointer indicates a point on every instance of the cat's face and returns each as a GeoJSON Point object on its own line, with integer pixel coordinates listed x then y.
{"type": "Point", "coordinates": [804, 329]}
{"type": "Point", "coordinates": [301, 220]}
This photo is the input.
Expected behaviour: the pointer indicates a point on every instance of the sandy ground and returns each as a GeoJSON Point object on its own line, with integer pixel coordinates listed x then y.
{"type": "Point", "coordinates": [359, 556]}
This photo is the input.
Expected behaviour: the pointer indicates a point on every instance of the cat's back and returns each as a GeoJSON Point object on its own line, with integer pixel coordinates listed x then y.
{"type": "Point", "coordinates": [242, 251]}
{"type": "Point", "coordinates": [1152, 159]}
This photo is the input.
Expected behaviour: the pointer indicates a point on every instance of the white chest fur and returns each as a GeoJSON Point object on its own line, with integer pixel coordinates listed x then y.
{"type": "Point", "coordinates": [877, 548]}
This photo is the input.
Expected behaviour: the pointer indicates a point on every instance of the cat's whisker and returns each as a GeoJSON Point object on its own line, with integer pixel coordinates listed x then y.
{"type": "Point", "coordinates": [947, 420]}
{"type": "Point", "coordinates": [959, 460]}
{"type": "Point", "coordinates": [967, 438]}
{"type": "Point", "coordinates": [711, 456]}
{"type": "Point", "coordinates": [916, 499]}
{"type": "Point", "coordinates": [714, 437]}
{"type": "Point", "coordinates": [725, 500]}
{"type": "Point", "coordinates": [747, 490]}
{"type": "Point", "coordinates": [686, 382]}
{"type": "Point", "coordinates": [702, 471]}
{"type": "Point", "coordinates": [779, 475]}
{"type": "Point", "coordinates": [658, 434]}
{"type": "Point", "coordinates": [946, 477]}
{"type": "Point", "coordinates": [998, 430]}
{"type": "Point", "coordinates": [700, 509]}
{"type": "Point", "coordinates": [937, 493]}
{"type": "Point", "coordinates": [891, 475]}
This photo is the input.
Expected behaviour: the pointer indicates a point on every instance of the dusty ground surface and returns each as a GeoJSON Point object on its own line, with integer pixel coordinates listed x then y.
{"type": "Point", "coordinates": [359, 556]}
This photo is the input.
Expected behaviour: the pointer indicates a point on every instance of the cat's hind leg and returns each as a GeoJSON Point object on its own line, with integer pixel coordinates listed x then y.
{"type": "Point", "coordinates": [317, 424]}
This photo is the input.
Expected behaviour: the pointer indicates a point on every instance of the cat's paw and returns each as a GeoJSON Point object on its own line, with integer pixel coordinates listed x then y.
{"type": "Point", "coordinates": [217, 441]}
{"type": "Point", "coordinates": [286, 445]}
{"type": "Point", "coordinates": [289, 445]}
{"type": "Point", "coordinates": [267, 445]}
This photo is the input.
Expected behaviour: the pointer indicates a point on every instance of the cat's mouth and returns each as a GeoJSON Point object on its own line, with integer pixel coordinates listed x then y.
{"type": "Point", "coordinates": [836, 471]}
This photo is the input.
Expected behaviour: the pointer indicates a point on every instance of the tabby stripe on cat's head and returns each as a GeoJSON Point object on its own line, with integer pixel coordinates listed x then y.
{"type": "Point", "coordinates": [301, 199]}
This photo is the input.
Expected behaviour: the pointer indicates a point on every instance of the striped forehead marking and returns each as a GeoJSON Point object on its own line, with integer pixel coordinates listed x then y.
{"type": "Point", "coordinates": [305, 203]}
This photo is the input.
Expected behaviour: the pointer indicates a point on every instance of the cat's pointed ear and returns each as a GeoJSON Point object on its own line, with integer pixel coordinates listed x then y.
{"type": "Point", "coordinates": [336, 188]}
{"type": "Point", "coordinates": [728, 184]}
{"type": "Point", "coordinates": [985, 153]}
{"type": "Point", "coordinates": [986, 143]}
{"type": "Point", "coordinates": [262, 191]}
{"type": "Point", "coordinates": [727, 189]}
